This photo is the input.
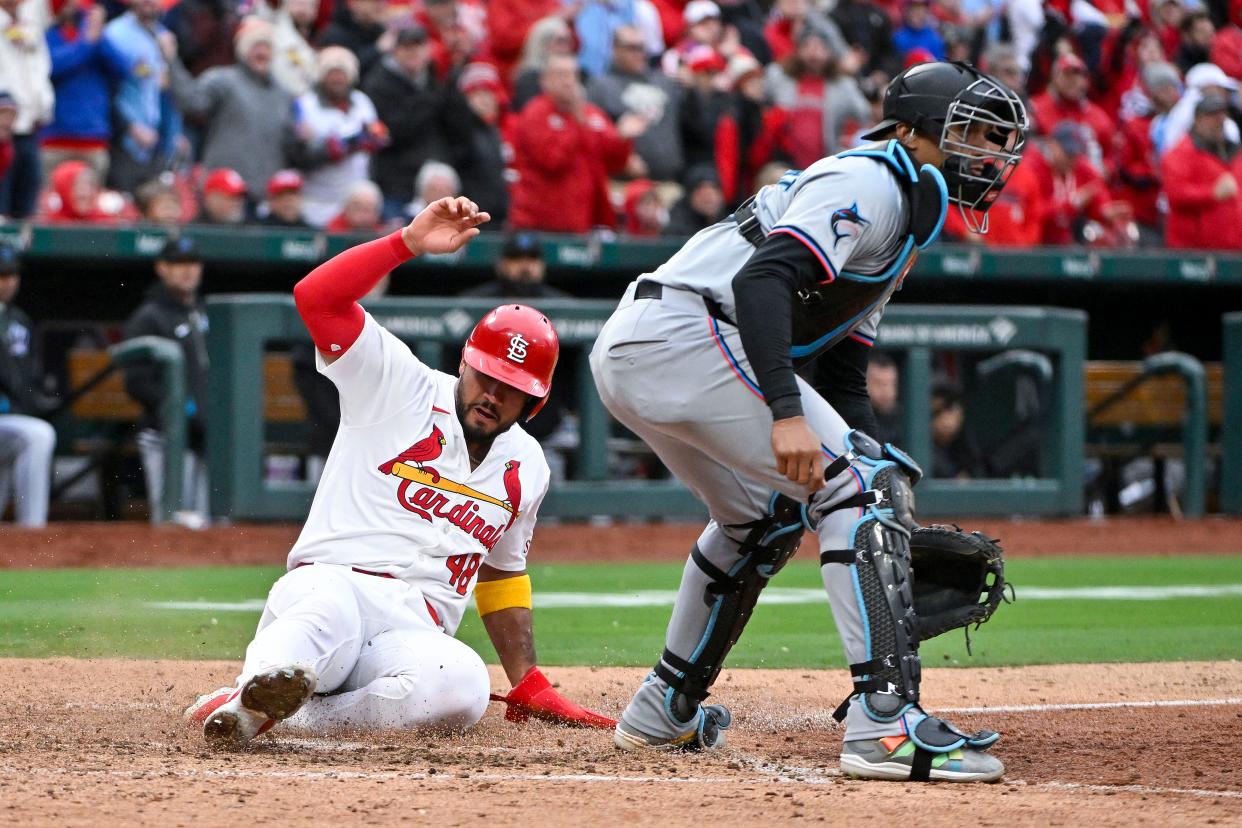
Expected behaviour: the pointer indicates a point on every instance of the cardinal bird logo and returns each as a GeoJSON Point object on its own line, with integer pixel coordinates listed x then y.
{"type": "Point", "coordinates": [847, 215]}
{"type": "Point", "coordinates": [424, 451]}
{"type": "Point", "coordinates": [513, 490]}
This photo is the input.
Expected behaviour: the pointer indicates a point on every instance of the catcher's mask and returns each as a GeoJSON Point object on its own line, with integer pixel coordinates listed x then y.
{"type": "Point", "coordinates": [517, 345]}
{"type": "Point", "coordinates": [949, 102]}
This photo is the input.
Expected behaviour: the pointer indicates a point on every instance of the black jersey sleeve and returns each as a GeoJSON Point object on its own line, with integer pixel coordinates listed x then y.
{"type": "Point", "coordinates": [763, 292]}
{"type": "Point", "coordinates": [840, 377]}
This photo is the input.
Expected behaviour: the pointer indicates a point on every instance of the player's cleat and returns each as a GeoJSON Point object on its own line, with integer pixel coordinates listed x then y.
{"type": "Point", "coordinates": [893, 758]}
{"type": "Point", "coordinates": [714, 719]}
{"type": "Point", "coordinates": [238, 715]}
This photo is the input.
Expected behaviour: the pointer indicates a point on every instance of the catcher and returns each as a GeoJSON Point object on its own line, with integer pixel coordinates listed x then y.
{"type": "Point", "coordinates": [429, 495]}
{"type": "Point", "coordinates": [699, 360]}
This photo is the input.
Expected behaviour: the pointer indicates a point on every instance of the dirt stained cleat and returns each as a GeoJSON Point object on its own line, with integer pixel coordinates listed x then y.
{"type": "Point", "coordinates": [714, 719]}
{"type": "Point", "coordinates": [237, 715]}
{"type": "Point", "coordinates": [893, 758]}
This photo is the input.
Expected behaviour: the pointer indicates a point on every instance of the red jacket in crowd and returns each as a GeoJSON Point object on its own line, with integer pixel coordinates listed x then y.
{"type": "Point", "coordinates": [1136, 169]}
{"type": "Point", "coordinates": [563, 164]}
{"type": "Point", "coordinates": [1050, 109]}
{"type": "Point", "coordinates": [1196, 217]}
{"type": "Point", "coordinates": [508, 23]}
{"type": "Point", "coordinates": [1068, 199]}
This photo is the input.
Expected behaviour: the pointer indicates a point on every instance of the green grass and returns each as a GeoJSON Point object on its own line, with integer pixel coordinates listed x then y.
{"type": "Point", "coordinates": [104, 613]}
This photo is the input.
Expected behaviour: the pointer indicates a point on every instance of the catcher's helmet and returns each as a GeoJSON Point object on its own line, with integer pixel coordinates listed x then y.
{"type": "Point", "coordinates": [944, 101]}
{"type": "Point", "coordinates": [517, 345]}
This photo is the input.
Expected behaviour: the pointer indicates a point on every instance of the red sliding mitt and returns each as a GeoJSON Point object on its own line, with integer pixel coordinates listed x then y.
{"type": "Point", "coordinates": [534, 696]}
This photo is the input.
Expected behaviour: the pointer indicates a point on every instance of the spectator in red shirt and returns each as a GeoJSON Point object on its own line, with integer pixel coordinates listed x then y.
{"type": "Point", "coordinates": [645, 214]}
{"type": "Point", "coordinates": [1065, 99]}
{"type": "Point", "coordinates": [564, 149]}
{"type": "Point", "coordinates": [1079, 207]}
{"type": "Point", "coordinates": [1201, 176]}
{"type": "Point", "coordinates": [508, 23]}
{"type": "Point", "coordinates": [1136, 167]}
{"type": "Point", "coordinates": [76, 196]}
{"type": "Point", "coordinates": [790, 18]}
{"type": "Point", "coordinates": [1167, 17]}
{"type": "Point", "coordinates": [703, 28]}
{"type": "Point", "coordinates": [1227, 47]}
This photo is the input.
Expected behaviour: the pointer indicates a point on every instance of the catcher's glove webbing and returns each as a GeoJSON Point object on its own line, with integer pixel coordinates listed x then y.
{"type": "Point", "coordinates": [959, 579]}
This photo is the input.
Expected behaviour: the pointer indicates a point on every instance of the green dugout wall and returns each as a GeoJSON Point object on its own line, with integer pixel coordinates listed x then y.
{"type": "Point", "coordinates": [242, 326]}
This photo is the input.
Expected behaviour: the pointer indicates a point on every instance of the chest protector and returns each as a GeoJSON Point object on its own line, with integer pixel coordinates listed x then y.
{"type": "Point", "coordinates": [822, 317]}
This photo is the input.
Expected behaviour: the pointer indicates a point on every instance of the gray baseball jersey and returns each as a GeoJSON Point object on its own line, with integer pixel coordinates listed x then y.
{"type": "Point", "coordinates": [847, 209]}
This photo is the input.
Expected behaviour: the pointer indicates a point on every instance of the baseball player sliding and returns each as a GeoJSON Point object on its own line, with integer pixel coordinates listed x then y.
{"type": "Point", "coordinates": [429, 495]}
{"type": "Point", "coordinates": [699, 360]}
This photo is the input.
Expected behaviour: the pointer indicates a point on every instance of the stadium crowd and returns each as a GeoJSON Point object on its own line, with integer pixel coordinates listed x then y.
{"type": "Point", "coordinates": [645, 117]}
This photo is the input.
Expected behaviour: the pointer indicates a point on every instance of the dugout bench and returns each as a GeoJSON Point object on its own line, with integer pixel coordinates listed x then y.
{"type": "Point", "coordinates": [1163, 407]}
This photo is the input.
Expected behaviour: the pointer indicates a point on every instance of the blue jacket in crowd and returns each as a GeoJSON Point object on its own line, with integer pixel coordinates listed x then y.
{"type": "Point", "coordinates": [140, 97]}
{"type": "Point", "coordinates": [84, 75]}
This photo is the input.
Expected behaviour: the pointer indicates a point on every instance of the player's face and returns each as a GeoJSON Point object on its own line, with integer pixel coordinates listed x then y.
{"type": "Point", "coordinates": [486, 407]}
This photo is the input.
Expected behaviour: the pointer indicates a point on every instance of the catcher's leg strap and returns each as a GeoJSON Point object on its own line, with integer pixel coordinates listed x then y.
{"type": "Point", "coordinates": [888, 680]}
{"type": "Point", "coordinates": [769, 544]}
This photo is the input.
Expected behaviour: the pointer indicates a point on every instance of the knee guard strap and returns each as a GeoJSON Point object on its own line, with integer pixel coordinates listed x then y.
{"type": "Point", "coordinates": [769, 544]}
{"type": "Point", "coordinates": [889, 679]}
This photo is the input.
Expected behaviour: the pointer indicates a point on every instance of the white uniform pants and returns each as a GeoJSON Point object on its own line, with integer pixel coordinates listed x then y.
{"type": "Point", "coordinates": [377, 652]}
{"type": "Point", "coordinates": [26, 448]}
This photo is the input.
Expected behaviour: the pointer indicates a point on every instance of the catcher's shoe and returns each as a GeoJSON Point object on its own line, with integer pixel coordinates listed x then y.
{"type": "Point", "coordinates": [708, 733]}
{"type": "Point", "coordinates": [237, 715]}
{"type": "Point", "coordinates": [894, 758]}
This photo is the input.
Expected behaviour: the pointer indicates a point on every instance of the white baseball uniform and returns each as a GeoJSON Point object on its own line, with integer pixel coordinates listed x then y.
{"type": "Point", "coordinates": [386, 562]}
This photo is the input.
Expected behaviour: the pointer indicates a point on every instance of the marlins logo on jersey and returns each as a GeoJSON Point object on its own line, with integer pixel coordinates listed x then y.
{"type": "Point", "coordinates": [846, 223]}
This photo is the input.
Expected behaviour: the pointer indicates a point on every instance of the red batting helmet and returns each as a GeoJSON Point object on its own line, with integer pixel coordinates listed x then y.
{"type": "Point", "coordinates": [517, 345]}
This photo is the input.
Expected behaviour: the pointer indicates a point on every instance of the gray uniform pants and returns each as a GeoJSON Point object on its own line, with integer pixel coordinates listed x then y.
{"type": "Point", "coordinates": [26, 448]}
{"type": "Point", "coordinates": [194, 491]}
{"type": "Point", "coordinates": [679, 380]}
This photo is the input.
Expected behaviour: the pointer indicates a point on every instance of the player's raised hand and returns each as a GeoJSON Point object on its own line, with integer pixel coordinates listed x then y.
{"type": "Point", "coordinates": [798, 453]}
{"type": "Point", "coordinates": [444, 226]}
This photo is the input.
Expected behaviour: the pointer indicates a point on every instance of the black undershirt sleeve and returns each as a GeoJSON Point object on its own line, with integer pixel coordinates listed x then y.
{"type": "Point", "coordinates": [840, 377]}
{"type": "Point", "coordinates": [763, 291]}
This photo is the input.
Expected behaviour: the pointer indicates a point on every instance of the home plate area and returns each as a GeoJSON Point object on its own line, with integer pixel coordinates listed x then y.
{"type": "Point", "coordinates": [1104, 744]}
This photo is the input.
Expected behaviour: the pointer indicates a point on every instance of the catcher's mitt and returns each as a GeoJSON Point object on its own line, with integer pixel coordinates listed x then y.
{"type": "Point", "coordinates": [959, 579]}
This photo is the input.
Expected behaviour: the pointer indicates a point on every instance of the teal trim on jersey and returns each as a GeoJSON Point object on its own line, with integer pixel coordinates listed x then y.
{"type": "Point", "coordinates": [893, 154]}
{"type": "Point", "coordinates": [944, 204]}
{"type": "Point", "coordinates": [799, 351]}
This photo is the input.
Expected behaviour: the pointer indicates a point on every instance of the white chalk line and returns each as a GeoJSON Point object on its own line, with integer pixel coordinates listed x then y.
{"type": "Point", "coordinates": [812, 778]}
{"type": "Point", "coordinates": [782, 595]}
{"type": "Point", "coordinates": [1043, 708]}
{"type": "Point", "coordinates": [1020, 708]}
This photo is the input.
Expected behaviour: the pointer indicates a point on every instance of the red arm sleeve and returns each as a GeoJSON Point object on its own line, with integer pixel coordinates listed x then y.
{"type": "Point", "coordinates": [327, 297]}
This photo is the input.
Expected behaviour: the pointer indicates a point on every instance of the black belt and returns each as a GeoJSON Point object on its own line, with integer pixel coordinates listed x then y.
{"type": "Point", "coordinates": [647, 289]}
{"type": "Point", "coordinates": [748, 222]}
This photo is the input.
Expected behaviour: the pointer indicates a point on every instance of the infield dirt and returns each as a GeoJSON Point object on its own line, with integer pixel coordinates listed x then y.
{"type": "Point", "coordinates": [102, 742]}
